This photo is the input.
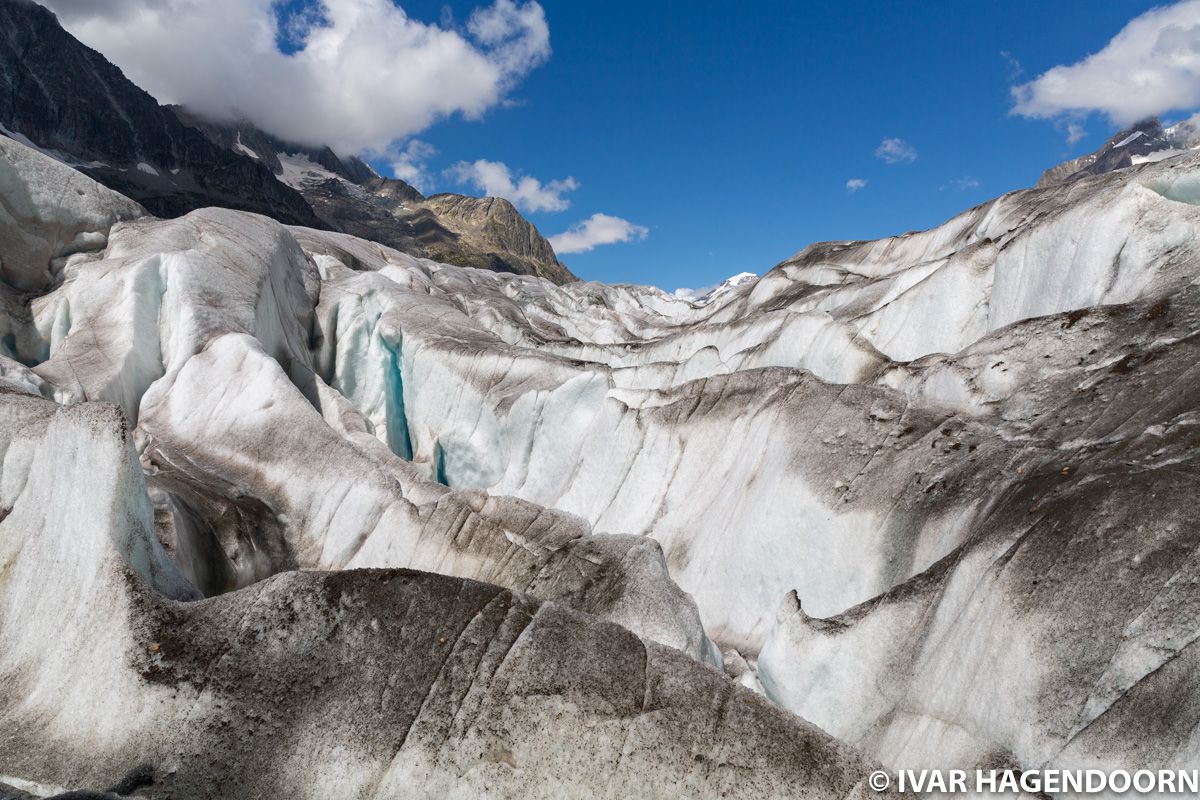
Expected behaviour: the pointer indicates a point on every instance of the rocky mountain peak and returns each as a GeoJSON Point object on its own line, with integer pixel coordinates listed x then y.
{"type": "Point", "coordinates": [393, 190]}
{"type": "Point", "coordinates": [1143, 142]}
{"type": "Point", "coordinates": [710, 293]}
{"type": "Point", "coordinates": [495, 223]}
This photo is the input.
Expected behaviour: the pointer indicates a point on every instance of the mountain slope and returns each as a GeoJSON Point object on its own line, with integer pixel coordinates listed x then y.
{"type": "Point", "coordinates": [494, 227]}
{"type": "Point", "coordinates": [1144, 142]}
{"type": "Point", "coordinates": [69, 101]}
{"type": "Point", "coordinates": [244, 138]}
{"type": "Point", "coordinates": [67, 98]}
{"type": "Point", "coordinates": [487, 232]}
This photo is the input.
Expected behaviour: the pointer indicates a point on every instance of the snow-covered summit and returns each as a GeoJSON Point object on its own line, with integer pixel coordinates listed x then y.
{"type": "Point", "coordinates": [710, 293]}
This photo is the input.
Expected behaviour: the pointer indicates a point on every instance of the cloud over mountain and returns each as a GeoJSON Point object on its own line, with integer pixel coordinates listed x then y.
{"type": "Point", "coordinates": [360, 75]}
{"type": "Point", "coordinates": [1150, 67]}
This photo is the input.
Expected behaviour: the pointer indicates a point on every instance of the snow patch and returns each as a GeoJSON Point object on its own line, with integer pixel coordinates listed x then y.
{"type": "Point", "coordinates": [243, 149]}
{"type": "Point", "coordinates": [708, 294]}
{"type": "Point", "coordinates": [1130, 138]}
{"type": "Point", "coordinates": [301, 172]}
{"type": "Point", "coordinates": [1158, 155]}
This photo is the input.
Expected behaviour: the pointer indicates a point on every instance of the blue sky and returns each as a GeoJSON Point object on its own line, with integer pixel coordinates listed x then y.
{"type": "Point", "coordinates": [716, 137]}
{"type": "Point", "coordinates": [730, 130]}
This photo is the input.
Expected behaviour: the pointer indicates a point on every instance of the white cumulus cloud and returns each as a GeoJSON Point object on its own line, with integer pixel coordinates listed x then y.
{"type": "Point", "coordinates": [596, 230]}
{"type": "Point", "coordinates": [527, 193]}
{"type": "Point", "coordinates": [363, 73]}
{"type": "Point", "coordinates": [896, 151]}
{"type": "Point", "coordinates": [1150, 67]}
{"type": "Point", "coordinates": [854, 184]}
{"type": "Point", "coordinates": [408, 163]}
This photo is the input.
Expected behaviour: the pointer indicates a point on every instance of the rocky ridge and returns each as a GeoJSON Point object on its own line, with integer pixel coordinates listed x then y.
{"type": "Point", "coordinates": [1141, 143]}
{"type": "Point", "coordinates": [483, 232]}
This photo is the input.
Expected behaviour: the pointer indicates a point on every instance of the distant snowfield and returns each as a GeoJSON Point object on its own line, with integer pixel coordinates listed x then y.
{"type": "Point", "coordinates": [1157, 155]}
{"type": "Point", "coordinates": [933, 493]}
{"type": "Point", "coordinates": [300, 171]}
{"type": "Point", "coordinates": [710, 293]}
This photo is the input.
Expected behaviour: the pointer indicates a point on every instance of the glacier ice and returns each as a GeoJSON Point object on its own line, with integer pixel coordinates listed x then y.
{"type": "Point", "coordinates": [348, 683]}
{"type": "Point", "coordinates": [49, 214]}
{"type": "Point", "coordinates": [930, 493]}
